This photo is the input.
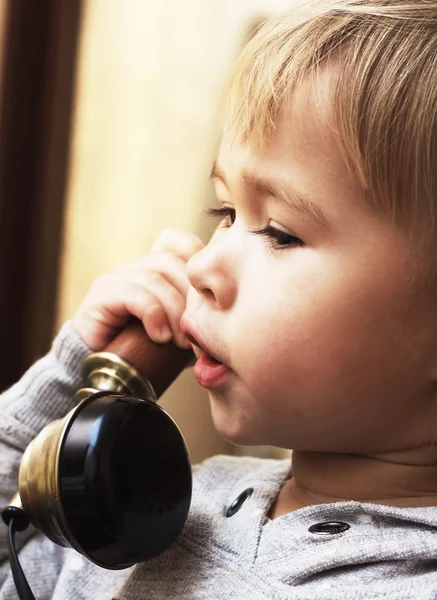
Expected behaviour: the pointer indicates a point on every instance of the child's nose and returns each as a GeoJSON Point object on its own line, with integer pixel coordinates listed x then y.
{"type": "Point", "coordinates": [213, 274]}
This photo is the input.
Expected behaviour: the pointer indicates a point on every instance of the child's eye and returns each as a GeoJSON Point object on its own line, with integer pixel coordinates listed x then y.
{"type": "Point", "coordinates": [277, 239]}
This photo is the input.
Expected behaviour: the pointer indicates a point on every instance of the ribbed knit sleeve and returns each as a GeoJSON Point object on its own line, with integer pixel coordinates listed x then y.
{"type": "Point", "coordinates": [44, 393]}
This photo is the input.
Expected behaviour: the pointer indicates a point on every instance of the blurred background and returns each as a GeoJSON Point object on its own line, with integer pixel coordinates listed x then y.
{"type": "Point", "coordinates": [109, 123]}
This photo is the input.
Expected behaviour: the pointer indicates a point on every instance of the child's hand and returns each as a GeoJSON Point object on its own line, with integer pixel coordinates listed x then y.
{"type": "Point", "coordinates": [153, 289]}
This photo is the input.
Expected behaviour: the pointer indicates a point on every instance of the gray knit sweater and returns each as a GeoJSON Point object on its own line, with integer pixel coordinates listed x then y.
{"type": "Point", "coordinates": [385, 552]}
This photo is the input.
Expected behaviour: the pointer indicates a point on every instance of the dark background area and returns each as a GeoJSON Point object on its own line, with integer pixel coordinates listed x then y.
{"type": "Point", "coordinates": [39, 47]}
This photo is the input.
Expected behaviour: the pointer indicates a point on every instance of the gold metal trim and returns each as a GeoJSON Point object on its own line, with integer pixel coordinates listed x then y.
{"type": "Point", "coordinates": [38, 481]}
{"type": "Point", "coordinates": [16, 501]}
{"type": "Point", "coordinates": [38, 478]}
{"type": "Point", "coordinates": [105, 371]}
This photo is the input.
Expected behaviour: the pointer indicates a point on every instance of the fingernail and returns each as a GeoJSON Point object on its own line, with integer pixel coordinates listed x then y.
{"type": "Point", "coordinates": [165, 334]}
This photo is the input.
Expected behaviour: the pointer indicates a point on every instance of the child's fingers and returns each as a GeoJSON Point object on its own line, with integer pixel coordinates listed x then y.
{"type": "Point", "coordinates": [168, 265]}
{"type": "Point", "coordinates": [164, 275]}
{"type": "Point", "coordinates": [97, 321]}
{"type": "Point", "coordinates": [179, 242]}
{"type": "Point", "coordinates": [172, 302]}
{"type": "Point", "coordinates": [153, 289]}
{"type": "Point", "coordinates": [149, 297]}
{"type": "Point", "coordinates": [142, 293]}
{"type": "Point", "coordinates": [156, 324]}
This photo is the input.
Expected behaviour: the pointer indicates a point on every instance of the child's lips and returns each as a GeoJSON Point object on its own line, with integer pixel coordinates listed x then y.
{"type": "Point", "coordinates": [209, 372]}
{"type": "Point", "coordinates": [196, 341]}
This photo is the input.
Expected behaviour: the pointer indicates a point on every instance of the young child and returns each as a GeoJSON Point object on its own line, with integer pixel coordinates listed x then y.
{"type": "Point", "coordinates": [318, 293]}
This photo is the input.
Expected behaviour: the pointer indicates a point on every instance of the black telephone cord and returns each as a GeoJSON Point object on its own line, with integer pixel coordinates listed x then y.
{"type": "Point", "coordinates": [16, 520]}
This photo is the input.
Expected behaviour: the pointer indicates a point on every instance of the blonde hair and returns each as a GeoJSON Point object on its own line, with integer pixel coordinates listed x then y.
{"type": "Point", "coordinates": [385, 96]}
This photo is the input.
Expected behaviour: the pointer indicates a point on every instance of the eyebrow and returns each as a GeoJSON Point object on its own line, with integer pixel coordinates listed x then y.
{"type": "Point", "coordinates": [297, 202]}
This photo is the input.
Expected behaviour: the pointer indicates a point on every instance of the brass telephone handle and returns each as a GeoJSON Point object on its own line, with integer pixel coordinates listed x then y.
{"type": "Point", "coordinates": [149, 370]}
{"type": "Point", "coordinates": [112, 479]}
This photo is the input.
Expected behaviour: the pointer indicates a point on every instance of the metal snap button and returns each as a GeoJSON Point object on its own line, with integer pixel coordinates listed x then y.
{"type": "Point", "coordinates": [238, 502]}
{"type": "Point", "coordinates": [329, 527]}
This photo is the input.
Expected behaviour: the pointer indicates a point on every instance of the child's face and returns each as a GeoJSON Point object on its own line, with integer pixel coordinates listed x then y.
{"type": "Point", "coordinates": [330, 348]}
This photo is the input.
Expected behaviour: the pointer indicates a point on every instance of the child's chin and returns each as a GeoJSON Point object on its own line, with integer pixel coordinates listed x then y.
{"type": "Point", "coordinates": [230, 427]}
{"type": "Point", "coordinates": [235, 436]}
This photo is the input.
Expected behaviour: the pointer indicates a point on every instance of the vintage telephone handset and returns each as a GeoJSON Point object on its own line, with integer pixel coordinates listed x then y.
{"type": "Point", "coordinates": [112, 479]}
